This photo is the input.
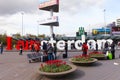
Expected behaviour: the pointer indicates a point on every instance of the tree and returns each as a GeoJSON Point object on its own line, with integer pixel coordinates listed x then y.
{"type": "Point", "coordinates": [3, 39]}
{"type": "Point", "coordinates": [17, 35]}
{"type": "Point", "coordinates": [41, 36]}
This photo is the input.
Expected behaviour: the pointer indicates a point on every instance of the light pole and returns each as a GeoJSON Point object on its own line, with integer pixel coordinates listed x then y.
{"type": "Point", "coordinates": [22, 22]}
{"type": "Point", "coordinates": [104, 21]}
{"type": "Point", "coordinates": [38, 28]}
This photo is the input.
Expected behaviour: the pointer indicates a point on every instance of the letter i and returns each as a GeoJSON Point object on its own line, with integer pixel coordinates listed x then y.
{"type": "Point", "coordinates": [9, 43]}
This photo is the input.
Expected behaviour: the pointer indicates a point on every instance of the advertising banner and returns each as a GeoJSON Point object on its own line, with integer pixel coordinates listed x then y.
{"type": "Point", "coordinates": [50, 21]}
{"type": "Point", "coordinates": [101, 31]}
{"type": "Point", "coordinates": [49, 5]}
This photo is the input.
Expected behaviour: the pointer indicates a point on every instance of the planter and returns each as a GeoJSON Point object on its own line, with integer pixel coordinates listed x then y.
{"type": "Point", "coordinates": [83, 60]}
{"type": "Point", "coordinates": [55, 74]}
{"type": "Point", "coordinates": [97, 55]}
{"type": "Point", "coordinates": [83, 63]}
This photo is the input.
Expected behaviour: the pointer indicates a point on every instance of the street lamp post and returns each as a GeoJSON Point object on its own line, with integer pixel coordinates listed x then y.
{"type": "Point", "coordinates": [104, 21]}
{"type": "Point", "coordinates": [38, 28]}
{"type": "Point", "coordinates": [22, 22]}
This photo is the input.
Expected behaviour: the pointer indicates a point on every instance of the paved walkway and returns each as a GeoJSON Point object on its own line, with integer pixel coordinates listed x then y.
{"type": "Point", "coordinates": [16, 67]}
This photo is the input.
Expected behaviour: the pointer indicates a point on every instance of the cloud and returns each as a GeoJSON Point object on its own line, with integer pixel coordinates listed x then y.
{"type": "Point", "coordinates": [7, 26]}
{"type": "Point", "coordinates": [13, 24]}
{"type": "Point", "coordinates": [30, 6]}
{"type": "Point", "coordinates": [2, 31]}
{"type": "Point", "coordinates": [8, 7]}
{"type": "Point", "coordinates": [10, 10]}
{"type": "Point", "coordinates": [77, 6]}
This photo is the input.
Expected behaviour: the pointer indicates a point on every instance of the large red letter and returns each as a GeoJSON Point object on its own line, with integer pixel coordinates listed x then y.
{"type": "Point", "coordinates": [9, 43]}
{"type": "Point", "coordinates": [26, 45]}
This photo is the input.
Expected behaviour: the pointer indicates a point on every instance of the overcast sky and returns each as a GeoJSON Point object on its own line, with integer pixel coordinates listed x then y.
{"type": "Point", "coordinates": [72, 15]}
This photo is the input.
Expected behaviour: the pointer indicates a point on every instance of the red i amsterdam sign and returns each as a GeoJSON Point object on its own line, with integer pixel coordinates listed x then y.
{"type": "Point", "coordinates": [25, 44]}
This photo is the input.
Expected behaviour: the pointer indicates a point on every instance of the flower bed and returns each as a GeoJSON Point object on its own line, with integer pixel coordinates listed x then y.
{"type": "Point", "coordinates": [97, 55]}
{"type": "Point", "coordinates": [56, 67]}
{"type": "Point", "coordinates": [83, 60]}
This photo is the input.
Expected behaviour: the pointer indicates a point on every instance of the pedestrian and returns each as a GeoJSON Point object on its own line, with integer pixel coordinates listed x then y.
{"type": "Point", "coordinates": [84, 49]}
{"type": "Point", "coordinates": [113, 50]}
{"type": "Point", "coordinates": [0, 45]}
{"type": "Point", "coordinates": [44, 48]}
{"type": "Point", "coordinates": [106, 47]}
{"type": "Point", "coordinates": [1, 48]}
{"type": "Point", "coordinates": [96, 46]}
{"type": "Point", "coordinates": [21, 50]}
{"type": "Point", "coordinates": [102, 45]}
{"type": "Point", "coordinates": [32, 48]}
{"type": "Point", "coordinates": [50, 51]}
{"type": "Point", "coordinates": [55, 50]}
{"type": "Point", "coordinates": [66, 51]}
{"type": "Point", "coordinates": [37, 48]}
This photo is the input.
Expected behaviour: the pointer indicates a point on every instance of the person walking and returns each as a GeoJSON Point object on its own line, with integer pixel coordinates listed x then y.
{"type": "Point", "coordinates": [21, 50]}
{"type": "Point", "coordinates": [96, 46]}
{"type": "Point", "coordinates": [84, 49]}
{"type": "Point", "coordinates": [44, 48]}
{"type": "Point", "coordinates": [106, 47]}
{"type": "Point", "coordinates": [32, 48]}
{"type": "Point", "coordinates": [1, 48]}
{"type": "Point", "coordinates": [50, 51]}
{"type": "Point", "coordinates": [113, 50]}
{"type": "Point", "coordinates": [66, 51]}
{"type": "Point", "coordinates": [37, 48]}
{"type": "Point", "coordinates": [55, 51]}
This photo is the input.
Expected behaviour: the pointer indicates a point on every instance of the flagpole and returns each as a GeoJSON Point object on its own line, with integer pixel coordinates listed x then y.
{"type": "Point", "coordinates": [22, 22]}
{"type": "Point", "coordinates": [104, 21]}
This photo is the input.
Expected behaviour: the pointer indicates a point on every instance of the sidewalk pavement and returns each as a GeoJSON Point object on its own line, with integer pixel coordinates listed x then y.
{"type": "Point", "coordinates": [16, 67]}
